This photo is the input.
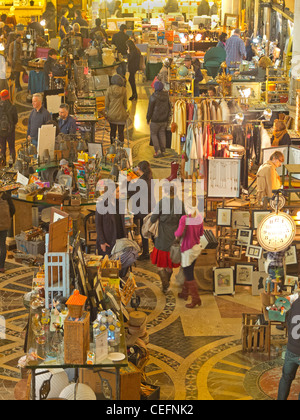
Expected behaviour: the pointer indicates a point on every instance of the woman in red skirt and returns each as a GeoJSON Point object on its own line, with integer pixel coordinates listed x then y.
{"type": "Point", "coordinates": [168, 211]}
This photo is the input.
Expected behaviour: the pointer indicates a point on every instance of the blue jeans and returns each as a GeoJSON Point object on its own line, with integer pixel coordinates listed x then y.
{"type": "Point", "coordinates": [3, 235]}
{"type": "Point", "coordinates": [289, 370]}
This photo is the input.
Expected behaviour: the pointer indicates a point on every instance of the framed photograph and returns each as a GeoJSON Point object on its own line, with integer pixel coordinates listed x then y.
{"type": "Point", "coordinates": [243, 274]}
{"type": "Point", "coordinates": [258, 282]}
{"type": "Point", "coordinates": [224, 178]}
{"type": "Point", "coordinates": [224, 217]}
{"type": "Point", "coordinates": [240, 220]}
{"type": "Point", "coordinates": [257, 216]}
{"type": "Point", "coordinates": [244, 237]}
{"type": "Point", "coordinates": [253, 251]}
{"type": "Point", "coordinates": [224, 281]}
{"type": "Point", "coordinates": [290, 280]}
{"type": "Point", "coordinates": [291, 255]}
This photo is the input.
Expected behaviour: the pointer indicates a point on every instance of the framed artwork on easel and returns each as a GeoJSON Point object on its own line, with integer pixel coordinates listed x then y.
{"type": "Point", "coordinates": [224, 178]}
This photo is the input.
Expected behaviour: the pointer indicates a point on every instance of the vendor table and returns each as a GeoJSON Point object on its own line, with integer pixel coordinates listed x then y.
{"type": "Point", "coordinates": [291, 170]}
{"type": "Point", "coordinates": [56, 364]}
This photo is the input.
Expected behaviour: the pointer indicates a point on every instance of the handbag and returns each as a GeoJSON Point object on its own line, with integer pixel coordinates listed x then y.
{"type": "Point", "coordinates": [150, 229]}
{"type": "Point", "coordinates": [175, 250]}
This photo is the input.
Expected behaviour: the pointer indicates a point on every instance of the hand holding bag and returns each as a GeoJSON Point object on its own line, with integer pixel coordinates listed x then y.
{"type": "Point", "coordinates": [175, 250]}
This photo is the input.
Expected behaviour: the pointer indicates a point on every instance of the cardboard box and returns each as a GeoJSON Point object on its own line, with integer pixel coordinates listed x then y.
{"type": "Point", "coordinates": [77, 339]}
{"type": "Point", "coordinates": [130, 381]}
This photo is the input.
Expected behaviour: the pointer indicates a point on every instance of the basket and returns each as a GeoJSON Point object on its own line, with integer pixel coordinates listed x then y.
{"type": "Point", "coordinates": [75, 311]}
{"type": "Point", "coordinates": [277, 315]}
{"type": "Point", "coordinates": [29, 247]}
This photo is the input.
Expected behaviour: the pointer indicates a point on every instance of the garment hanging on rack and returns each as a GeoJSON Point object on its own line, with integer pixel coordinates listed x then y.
{"type": "Point", "coordinates": [36, 82]}
{"type": "Point", "coordinates": [179, 118]}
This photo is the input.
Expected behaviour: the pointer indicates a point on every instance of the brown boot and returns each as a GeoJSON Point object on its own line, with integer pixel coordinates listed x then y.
{"type": "Point", "coordinates": [184, 294]}
{"type": "Point", "coordinates": [165, 279]}
{"type": "Point", "coordinates": [193, 291]}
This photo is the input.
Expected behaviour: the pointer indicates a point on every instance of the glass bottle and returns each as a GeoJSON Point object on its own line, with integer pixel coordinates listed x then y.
{"type": "Point", "coordinates": [56, 345]}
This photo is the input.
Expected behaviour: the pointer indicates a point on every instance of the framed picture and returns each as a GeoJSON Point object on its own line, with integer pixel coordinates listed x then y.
{"type": "Point", "coordinates": [291, 255]}
{"type": "Point", "coordinates": [258, 282]}
{"type": "Point", "coordinates": [253, 251]}
{"type": "Point", "coordinates": [224, 217]}
{"type": "Point", "coordinates": [224, 281]}
{"type": "Point", "coordinates": [240, 220]}
{"type": "Point", "coordinates": [290, 280]}
{"type": "Point", "coordinates": [243, 274]}
{"type": "Point", "coordinates": [244, 237]}
{"type": "Point", "coordinates": [257, 216]}
{"type": "Point", "coordinates": [224, 178]}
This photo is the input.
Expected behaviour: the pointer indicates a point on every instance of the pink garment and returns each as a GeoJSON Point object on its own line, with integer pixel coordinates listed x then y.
{"type": "Point", "coordinates": [193, 232]}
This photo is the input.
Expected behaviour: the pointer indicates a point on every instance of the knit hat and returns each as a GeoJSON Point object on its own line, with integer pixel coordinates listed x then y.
{"type": "Point", "coordinates": [117, 80]}
{"type": "Point", "coordinates": [4, 94]}
{"type": "Point", "coordinates": [158, 85]}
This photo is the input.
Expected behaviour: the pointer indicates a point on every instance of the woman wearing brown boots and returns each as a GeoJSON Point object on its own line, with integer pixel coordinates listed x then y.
{"type": "Point", "coordinates": [190, 229]}
{"type": "Point", "coordinates": [168, 211]}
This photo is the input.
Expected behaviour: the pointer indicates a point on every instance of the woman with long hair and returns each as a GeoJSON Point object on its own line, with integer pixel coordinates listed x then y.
{"type": "Point", "coordinates": [145, 173]}
{"type": "Point", "coordinates": [168, 211]}
{"type": "Point", "coordinates": [134, 57]}
{"type": "Point", "coordinates": [64, 27]}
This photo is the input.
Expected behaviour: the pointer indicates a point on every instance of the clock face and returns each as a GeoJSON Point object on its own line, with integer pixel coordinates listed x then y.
{"type": "Point", "coordinates": [276, 232]}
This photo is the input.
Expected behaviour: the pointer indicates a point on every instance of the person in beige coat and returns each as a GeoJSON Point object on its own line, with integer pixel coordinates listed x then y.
{"type": "Point", "coordinates": [116, 107]}
{"type": "Point", "coordinates": [268, 178]}
{"type": "Point", "coordinates": [15, 60]}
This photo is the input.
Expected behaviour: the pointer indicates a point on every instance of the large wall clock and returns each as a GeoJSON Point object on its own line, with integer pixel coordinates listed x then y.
{"type": "Point", "coordinates": [276, 232]}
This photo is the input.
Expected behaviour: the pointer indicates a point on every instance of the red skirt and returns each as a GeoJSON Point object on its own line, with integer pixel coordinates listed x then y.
{"type": "Point", "coordinates": [162, 259]}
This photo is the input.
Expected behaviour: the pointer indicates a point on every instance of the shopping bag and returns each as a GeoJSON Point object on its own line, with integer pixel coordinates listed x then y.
{"type": "Point", "coordinates": [149, 229]}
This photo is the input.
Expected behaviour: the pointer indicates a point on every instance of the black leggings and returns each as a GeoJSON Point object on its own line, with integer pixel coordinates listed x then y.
{"type": "Point", "coordinates": [189, 272]}
{"type": "Point", "coordinates": [131, 80]}
{"type": "Point", "coordinates": [113, 132]}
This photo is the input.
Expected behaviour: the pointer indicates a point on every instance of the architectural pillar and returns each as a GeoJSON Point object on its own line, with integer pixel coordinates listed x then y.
{"type": "Point", "coordinates": [295, 65]}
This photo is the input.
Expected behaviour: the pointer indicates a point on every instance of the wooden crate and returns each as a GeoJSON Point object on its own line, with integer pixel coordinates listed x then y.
{"type": "Point", "coordinates": [77, 339]}
{"type": "Point", "coordinates": [254, 337]}
{"type": "Point", "coordinates": [130, 381]}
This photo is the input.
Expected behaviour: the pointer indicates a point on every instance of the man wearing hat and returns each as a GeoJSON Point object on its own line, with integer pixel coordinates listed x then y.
{"type": "Point", "coordinates": [8, 121]}
{"type": "Point", "coordinates": [158, 114]}
{"type": "Point", "coordinates": [194, 66]}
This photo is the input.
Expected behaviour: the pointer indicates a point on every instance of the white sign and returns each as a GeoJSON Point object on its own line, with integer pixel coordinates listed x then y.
{"type": "Point", "coordinates": [101, 346]}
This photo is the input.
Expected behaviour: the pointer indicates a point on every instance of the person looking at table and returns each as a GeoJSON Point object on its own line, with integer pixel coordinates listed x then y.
{"type": "Point", "coordinates": [82, 22]}
{"type": "Point", "coordinates": [280, 135]}
{"type": "Point", "coordinates": [268, 178]}
{"type": "Point", "coordinates": [195, 67]}
{"type": "Point", "coordinates": [66, 123]}
{"type": "Point", "coordinates": [64, 28]}
{"type": "Point", "coordinates": [38, 117]}
{"type": "Point", "coordinates": [235, 49]}
{"type": "Point", "coordinates": [119, 40]}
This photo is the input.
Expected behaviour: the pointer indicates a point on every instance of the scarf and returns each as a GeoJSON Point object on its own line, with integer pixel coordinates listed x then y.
{"type": "Point", "coordinates": [278, 135]}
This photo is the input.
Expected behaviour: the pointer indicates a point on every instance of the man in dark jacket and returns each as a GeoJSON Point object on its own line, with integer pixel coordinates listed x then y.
{"type": "Point", "coordinates": [8, 121]}
{"type": "Point", "coordinates": [84, 27]}
{"type": "Point", "coordinates": [159, 109]}
{"type": "Point", "coordinates": [292, 356]}
{"type": "Point", "coordinates": [119, 40]}
{"type": "Point", "coordinates": [50, 66]}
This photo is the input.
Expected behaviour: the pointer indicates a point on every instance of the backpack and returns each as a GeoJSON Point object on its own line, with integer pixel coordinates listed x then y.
{"type": "Point", "coordinates": [6, 126]}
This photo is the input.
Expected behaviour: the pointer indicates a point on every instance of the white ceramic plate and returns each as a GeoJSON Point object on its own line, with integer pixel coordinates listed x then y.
{"type": "Point", "coordinates": [116, 357]}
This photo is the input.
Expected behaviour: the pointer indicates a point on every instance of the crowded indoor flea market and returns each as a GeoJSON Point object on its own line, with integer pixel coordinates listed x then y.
{"type": "Point", "coordinates": [149, 200]}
